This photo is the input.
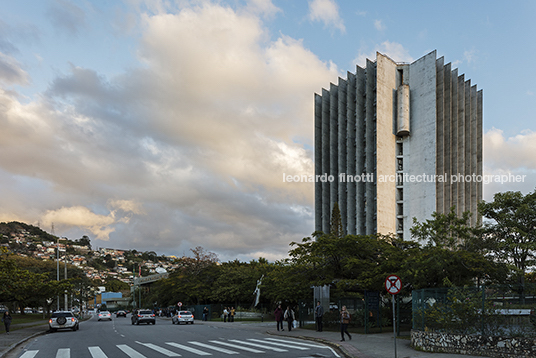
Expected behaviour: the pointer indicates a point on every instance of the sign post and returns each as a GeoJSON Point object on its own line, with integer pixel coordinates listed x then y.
{"type": "Point", "coordinates": [393, 285]}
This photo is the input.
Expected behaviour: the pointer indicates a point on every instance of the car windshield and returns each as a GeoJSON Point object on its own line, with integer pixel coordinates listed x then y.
{"type": "Point", "coordinates": [185, 312]}
{"type": "Point", "coordinates": [105, 312]}
{"type": "Point", "coordinates": [62, 314]}
{"type": "Point", "coordinates": [146, 312]}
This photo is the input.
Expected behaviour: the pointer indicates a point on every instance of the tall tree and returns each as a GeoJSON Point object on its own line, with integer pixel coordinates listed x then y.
{"type": "Point", "coordinates": [513, 229]}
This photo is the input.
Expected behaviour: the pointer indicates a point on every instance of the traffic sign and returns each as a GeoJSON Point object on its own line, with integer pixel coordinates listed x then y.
{"type": "Point", "coordinates": [393, 284]}
{"type": "Point", "coordinates": [179, 304]}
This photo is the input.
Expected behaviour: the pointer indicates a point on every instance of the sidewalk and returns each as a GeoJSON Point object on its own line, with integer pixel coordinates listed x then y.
{"type": "Point", "coordinates": [19, 333]}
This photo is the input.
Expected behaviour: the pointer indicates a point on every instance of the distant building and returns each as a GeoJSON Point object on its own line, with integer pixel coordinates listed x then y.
{"type": "Point", "coordinates": [395, 141]}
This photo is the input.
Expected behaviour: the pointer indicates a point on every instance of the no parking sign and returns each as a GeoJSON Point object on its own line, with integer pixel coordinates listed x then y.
{"type": "Point", "coordinates": [393, 284]}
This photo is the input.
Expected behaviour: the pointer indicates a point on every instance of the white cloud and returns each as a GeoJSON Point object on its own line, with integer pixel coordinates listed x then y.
{"type": "Point", "coordinates": [378, 24]}
{"type": "Point", "coordinates": [326, 11]}
{"type": "Point", "coordinates": [187, 149]}
{"type": "Point", "coordinates": [394, 50]}
{"type": "Point", "coordinates": [11, 71]}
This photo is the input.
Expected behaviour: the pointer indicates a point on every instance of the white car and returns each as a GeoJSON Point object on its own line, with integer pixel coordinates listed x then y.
{"type": "Point", "coordinates": [183, 317]}
{"type": "Point", "coordinates": [105, 315]}
{"type": "Point", "coordinates": [63, 320]}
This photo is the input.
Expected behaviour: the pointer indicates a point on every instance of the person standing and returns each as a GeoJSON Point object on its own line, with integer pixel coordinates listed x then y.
{"type": "Point", "coordinates": [6, 318]}
{"type": "Point", "coordinates": [205, 313]}
{"type": "Point", "coordinates": [345, 320]}
{"type": "Point", "coordinates": [278, 313]}
{"type": "Point", "coordinates": [231, 314]}
{"type": "Point", "coordinates": [319, 313]}
{"type": "Point", "coordinates": [225, 313]}
{"type": "Point", "coordinates": [289, 317]}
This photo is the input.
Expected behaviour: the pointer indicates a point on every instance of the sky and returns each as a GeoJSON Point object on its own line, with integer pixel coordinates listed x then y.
{"type": "Point", "coordinates": [166, 125]}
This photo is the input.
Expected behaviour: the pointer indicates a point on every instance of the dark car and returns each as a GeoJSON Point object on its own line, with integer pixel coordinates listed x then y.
{"type": "Point", "coordinates": [121, 313]}
{"type": "Point", "coordinates": [63, 320]}
{"type": "Point", "coordinates": [143, 316]}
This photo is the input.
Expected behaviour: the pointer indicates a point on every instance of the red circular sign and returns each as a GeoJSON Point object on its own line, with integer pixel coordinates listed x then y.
{"type": "Point", "coordinates": [393, 284]}
{"type": "Point", "coordinates": [179, 304]}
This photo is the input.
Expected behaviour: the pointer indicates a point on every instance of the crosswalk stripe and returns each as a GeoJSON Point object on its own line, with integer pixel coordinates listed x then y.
{"type": "Point", "coordinates": [129, 351]}
{"type": "Point", "coordinates": [222, 350]}
{"type": "Point", "coordinates": [237, 347]}
{"type": "Point", "coordinates": [63, 353]}
{"type": "Point", "coordinates": [29, 354]}
{"type": "Point", "coordinates": [298, 343]}
{"type": "Point", "coordinates": [162, 350]}
{"type": "Point", "coordinates": [96, 352]}
{"type": "Point", "coordinates": [259, 345]}
{"type": "Point", "coordinates": [279, 344]}
{"type": "Point", "coordinates": [189, 349]}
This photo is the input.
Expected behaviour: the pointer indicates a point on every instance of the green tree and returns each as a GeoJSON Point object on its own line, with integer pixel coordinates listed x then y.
{"type": "Point", "coordinates": [513, 229]}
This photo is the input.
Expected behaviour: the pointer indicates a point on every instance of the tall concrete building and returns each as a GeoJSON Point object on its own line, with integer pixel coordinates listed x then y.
{"type": "Point", "coordinates": [394, 141]}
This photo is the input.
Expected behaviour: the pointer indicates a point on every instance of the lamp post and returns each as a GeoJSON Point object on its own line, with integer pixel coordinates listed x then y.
{"type": "Point", "coordinates": [58, 265]}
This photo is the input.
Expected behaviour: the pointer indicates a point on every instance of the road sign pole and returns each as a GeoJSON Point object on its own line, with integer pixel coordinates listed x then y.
{"type": "Point", "coordinates": [394, 321]}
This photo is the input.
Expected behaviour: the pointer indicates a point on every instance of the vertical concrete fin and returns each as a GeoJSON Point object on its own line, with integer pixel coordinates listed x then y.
{"type": "Point", "coordinates": [467, 151]}
{"type": "Point", "coordinates": [350, 152]}
{"type": "Point", "coordinates": [440, 67]}
{"type": "Point", "coordinates": [460, 208]}
{"type": "Point", "coordinates": [447, 106]}
{"type": "Point", "coordinates": [333, 144]}
{"type": "Point", "coordinates": [342, 170]}
{"type": "Point", "coordinates": [474, 151]}
{"type": "Point", "coordinates": [454, 139]}
{"type": "Point", "coordinates": [479, 159]}
{"type": "Point", "coordinates": [326, 212]}
{"type": "Point", "coordinates": [318, 161]}
{"type": "Point", "coordinates": [370, 149]}
{"type": "Point", "coordinates": [360, 163]}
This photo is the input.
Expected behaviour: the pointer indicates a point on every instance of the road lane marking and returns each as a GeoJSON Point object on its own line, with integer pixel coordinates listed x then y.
{"type": "Point", "coordinates": [293, 342]}
{"type": "Point", "coordinates": [63, 353]}
{"type": "Point", "coordinates": [159, 349]}
{"type": "Point", "coordinates": [29, 354]}
{"type": "Point", "coordinates": [129, 351]}
{"type": "Point", "coordinates": [278, 344]}
{"type": "Point", "coordinates": [222, 350]}
{"type": "Point", "coordinates": [238, 347]}
{"type": "Point", "coordinates": [96, 352]}
{"type": "Point", "coordinates": [259, 345]}
{"type": "Point", "coordinates": [189, 349]}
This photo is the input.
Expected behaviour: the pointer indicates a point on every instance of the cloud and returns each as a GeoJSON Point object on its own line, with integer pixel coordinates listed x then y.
{"type": "Point", "coordinates": [11, 71]}
{"type": "Point", "coordinates": [470, 56]}
{"type": "Point", "coordinates": [378, 24]}
{"type": "Point", "coordinates": [394, 50]}
{"type": "Point", "coordinates": [66, 17]}
{"type": "Point", "coordinates": [186, 149]}
{"type": "Point", "coordinates": [326, 11]}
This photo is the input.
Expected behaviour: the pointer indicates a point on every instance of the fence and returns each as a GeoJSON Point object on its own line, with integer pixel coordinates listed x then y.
{"type": "Point", "coordinates": [505, 310]}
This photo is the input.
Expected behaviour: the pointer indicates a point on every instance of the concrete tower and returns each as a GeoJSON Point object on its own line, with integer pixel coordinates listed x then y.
{"type": "Point", "coordinates": [396, 141]}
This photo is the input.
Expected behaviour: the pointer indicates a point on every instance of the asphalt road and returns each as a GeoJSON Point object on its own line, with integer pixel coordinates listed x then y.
{"type": "Point", "coordinates": [119, 338]}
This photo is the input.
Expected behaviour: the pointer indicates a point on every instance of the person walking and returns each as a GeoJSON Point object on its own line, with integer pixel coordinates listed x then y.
{"type": "Point", "coordinates": [345, 320]}
{"type": "Point", "coordinates": [6, 318]}
{"type": "Point", "coordinates": [278, 313]}
{"type": "Point", "coordinates": [289, 317]}
{"type": "Point", "coordinates": [319, 313]}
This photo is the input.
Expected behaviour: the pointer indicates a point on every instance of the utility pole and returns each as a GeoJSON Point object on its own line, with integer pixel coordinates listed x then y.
{"type": "Point", "coordinates": [66, 305]}
{"type": "Point", "coordinates": [57, 263]}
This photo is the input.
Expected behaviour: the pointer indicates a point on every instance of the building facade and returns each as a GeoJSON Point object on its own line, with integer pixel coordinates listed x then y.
{"type": "Point", "coordinates": [397, 141]}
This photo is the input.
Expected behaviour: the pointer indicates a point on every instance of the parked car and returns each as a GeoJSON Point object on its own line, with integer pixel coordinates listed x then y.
{"type": "Point", "coordinates": [121, 313]}
{"type": "Point", "coordinates": [183, 317]}
{"type": "Point", "coordinates": [105, 315]}
{"type": "Point", "coordinates": [63, 320]}
{"type": "Point", "coordinates": [143, 316]}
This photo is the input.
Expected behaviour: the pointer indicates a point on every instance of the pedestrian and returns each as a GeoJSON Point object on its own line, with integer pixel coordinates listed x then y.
{"type": "Point", "coordinates": [278, 313]}
{"type": "Point", "coordinates": [6, 318]}
{"type": "Point", "coordinates": [205, 313]}
{"type": "Point", "coordinates": [319, 313]}
{"type": "Point", "coordinates": [225, 313]}
{"type": "Point", "coordinates": [345, 320]}
{"type": "Point", "coordinates": [232, 314]}
{"type": "Point", "coordinates": [289, 317]}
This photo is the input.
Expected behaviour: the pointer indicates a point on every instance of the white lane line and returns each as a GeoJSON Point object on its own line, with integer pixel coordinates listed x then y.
{"type": "Point", "coordinates": [96, 352]}
{"type": "Point", "coordinates": [129, 351]}
{"type": "Point", "coordinates": [189, 349]}
{"type": "Point", "coordinates": [159, 349]}
{"type": "Point", "coordinates": [237, 347]}
{"type": "Point", "coordinates": [286, 345]}
{"type": "Point", "coordinates": [63, 353]}
{"type": "Point", "coordinates": [259, 345]}
{"type": "Point", "coordinates": [299, 343]}
{"type": "Point", "coordinates": [29, 354]}
{"type": "Point", "coordinates": [222, 350]}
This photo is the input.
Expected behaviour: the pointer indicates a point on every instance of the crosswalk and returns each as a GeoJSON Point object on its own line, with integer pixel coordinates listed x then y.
{"type": "Point", "coordinates": [191, 348]}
